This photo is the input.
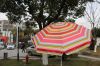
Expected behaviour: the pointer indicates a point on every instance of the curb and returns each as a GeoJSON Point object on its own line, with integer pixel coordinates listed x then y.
{"type": "Point", "coordinates": [89, 57]}
{"type": "Point", "coordinates": [14, 57]}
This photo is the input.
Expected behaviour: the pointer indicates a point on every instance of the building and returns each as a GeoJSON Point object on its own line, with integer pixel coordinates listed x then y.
{"type": "Point", "coordinates": [5, 29]}
{"type": "Point", "coordinates": [5, 25]}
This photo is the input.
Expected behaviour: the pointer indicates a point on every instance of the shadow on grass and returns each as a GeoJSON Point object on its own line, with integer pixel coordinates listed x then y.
{"type": "Point", "coordinates": [40, 56]}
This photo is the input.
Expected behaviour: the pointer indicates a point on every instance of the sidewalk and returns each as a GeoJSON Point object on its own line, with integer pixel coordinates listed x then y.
{"type": "Point", "coordinates": [91, 54]}
{"type": "Point", "coordinates": [30, 57]}
{"type": "Point", "coordinates": [21, 57]}
{"type": "Point", "coordinates": [89, 57]}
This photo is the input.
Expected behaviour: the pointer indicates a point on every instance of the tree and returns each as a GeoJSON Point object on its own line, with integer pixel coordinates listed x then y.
{"type": "Point", "coordinates": [97, 30]}
{"type": "Point", "coordinates": [43, 12]}
{"type": "Point", "coordinates": [28, 31]}
{"type": "Point", "coordinates": [92, 16]}
{"type": "Point", "coordinates": [70, 20]}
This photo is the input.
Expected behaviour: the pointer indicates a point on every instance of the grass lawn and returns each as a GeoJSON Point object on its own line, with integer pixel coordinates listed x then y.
{"type": "Point", "coordinates": [92, 53]}
{"type": "Point", "coordinates": [52, 62]}
{"type": "Point", "coordinates": [97, 53]}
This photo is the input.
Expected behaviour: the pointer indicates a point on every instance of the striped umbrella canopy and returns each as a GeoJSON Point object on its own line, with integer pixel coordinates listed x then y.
{"type": "Point", "coordinates": [62, 38]}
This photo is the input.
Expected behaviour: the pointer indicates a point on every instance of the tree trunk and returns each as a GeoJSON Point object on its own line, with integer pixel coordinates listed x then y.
{"type": "Point", "coordinates": [40, 25]}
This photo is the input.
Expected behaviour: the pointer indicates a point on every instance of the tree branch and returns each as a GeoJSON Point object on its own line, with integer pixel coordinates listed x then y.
{"type": "Point", "coordinates": [58, 13]}
{"type": "Point", "coordinates": [60, 9]}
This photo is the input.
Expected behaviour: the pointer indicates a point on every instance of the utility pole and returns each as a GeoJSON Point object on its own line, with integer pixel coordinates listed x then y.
{"type": "Point", "coordinates": [17, 42]}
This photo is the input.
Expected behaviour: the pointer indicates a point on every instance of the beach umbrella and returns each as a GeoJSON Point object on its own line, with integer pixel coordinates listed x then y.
{"type": "Point", "coordinates": [62, 38]}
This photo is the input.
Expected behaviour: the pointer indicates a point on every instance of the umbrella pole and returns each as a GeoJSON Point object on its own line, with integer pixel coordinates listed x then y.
{"type": "Point", "coordinates": [61, 61]}
{"type": "Point", "coordinates": [45, 59]}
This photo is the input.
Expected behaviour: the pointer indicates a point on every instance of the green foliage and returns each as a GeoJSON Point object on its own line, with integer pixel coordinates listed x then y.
{"type": "Point", "coordinates": [14, 9]}
{"type": "Point", "coordinates": [52, 62]}
{"type": "Point", "coordinates": [56, 10]}
{"type": "Point", "coordinates": [70, 20]}
{"type": "Point", "coordinates": [96, 32]}
{"type": "Point", "coordinates": [28, 31]}
{"type": "Point", "coordinates": [14, 18]}
{"type": "Point", "coordinates": [80, 11]}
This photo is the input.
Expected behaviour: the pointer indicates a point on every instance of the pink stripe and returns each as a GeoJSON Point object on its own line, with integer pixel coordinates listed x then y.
{"type": "Point", "coordinates": [67, 39]}
{"type": "Point", "coordinates": [60, 35]}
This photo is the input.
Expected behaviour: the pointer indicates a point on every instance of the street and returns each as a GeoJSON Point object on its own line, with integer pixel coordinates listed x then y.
{"type": "Point", "coordinates": [11, 53]}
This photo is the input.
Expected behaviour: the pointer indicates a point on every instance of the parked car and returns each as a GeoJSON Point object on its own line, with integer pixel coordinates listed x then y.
{"type": "Point", "coordinates": [1, 46]}
{"type": "Point", "coordinates": [10, 46]}
{"type": "Point", "coordinates": [31, 50]}
{"type": "Point", "coordinates": [30, 42]}
{"type": "Point", "coordinates": [1, 42]}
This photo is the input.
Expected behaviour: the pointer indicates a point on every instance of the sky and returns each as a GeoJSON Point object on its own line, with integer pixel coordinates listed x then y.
{"type": "Point", "coordinates": [92, 10]}
{"type": "Point", "coordinates": [81, 21]}
{"type": "Point", "coordinates": [3, 16]}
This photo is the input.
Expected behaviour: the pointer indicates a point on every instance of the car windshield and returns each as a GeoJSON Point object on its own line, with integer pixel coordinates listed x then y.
{"type": "Point", "coordinates": [1, 42]}
{"type": "Point", "coordinates": [10, 44]}
{"type": "Point", "coordinates": [32, 46]}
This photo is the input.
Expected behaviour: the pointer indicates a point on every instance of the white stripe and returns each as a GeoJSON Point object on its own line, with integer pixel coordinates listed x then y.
{"type": "Point", "coordinates": [85, 36]}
